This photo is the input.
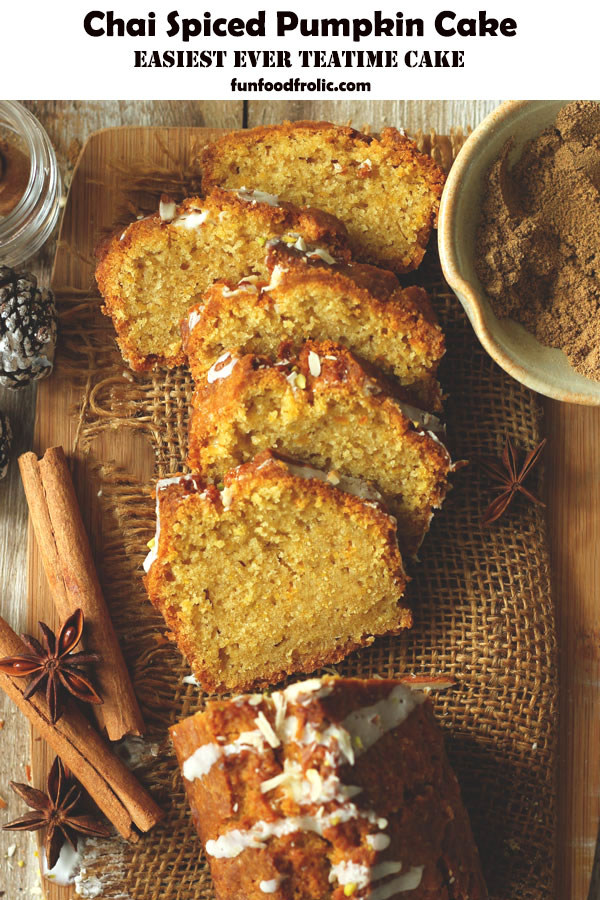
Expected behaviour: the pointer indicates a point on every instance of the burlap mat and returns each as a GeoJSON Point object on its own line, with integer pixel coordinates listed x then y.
{"type": "Point", "coordinates": [483, 608]}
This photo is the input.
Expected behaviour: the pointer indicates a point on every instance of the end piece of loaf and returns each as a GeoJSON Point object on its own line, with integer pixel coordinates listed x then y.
{"type": "Point", "coordinates": [322, 407]}
{"type": "Point", "coordinates": [356, 306]}
{"type": "Point", "coordinates": [329, 789]}
{"type": "Point", "coordinates": [385, 191]}
{"type": "Point", "coordinates": [278, 572]}
{"type": "Point", "coordinates": [153, 271]}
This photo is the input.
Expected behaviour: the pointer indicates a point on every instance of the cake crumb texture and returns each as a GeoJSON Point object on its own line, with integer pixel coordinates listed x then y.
{"type": "Point", "coordinates": [391, 328]}
{"type": "Point", "coordinates": [385, 191]}
{"type": "Point", "coordinates": [273, 574]}
{"type": "Point", "coordinates": [325, 409]}
{"type": "Point", "coordinates": [151, 272]}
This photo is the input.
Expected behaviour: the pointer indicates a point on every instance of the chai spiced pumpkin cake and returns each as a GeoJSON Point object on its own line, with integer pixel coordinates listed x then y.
{"type": "Point", "coordinates": [151, 272]}
{"type": "Point", "coordinates": [278, 571]}
{"type": "Point", "coordinates": [329, 789]}
{"type": "Point", "coordinates": [385, 191]}
{"type": "Point", "coordinates": [322, 407]}
{"type": "Point", "coordinates": [357, 306]}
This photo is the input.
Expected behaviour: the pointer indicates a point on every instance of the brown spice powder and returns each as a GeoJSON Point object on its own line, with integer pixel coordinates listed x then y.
{"type": "Point", "coordinates": [538, 242]}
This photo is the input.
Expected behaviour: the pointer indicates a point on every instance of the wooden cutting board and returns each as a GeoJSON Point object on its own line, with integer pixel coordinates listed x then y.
{"type": "Point", "coordinates": [60, 398]}
{"type": "Point", "coordinates": [573, 494]}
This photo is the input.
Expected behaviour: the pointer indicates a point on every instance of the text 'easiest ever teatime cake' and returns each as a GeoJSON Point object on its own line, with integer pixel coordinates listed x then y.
{"type": "Point", "coordinates": [328, 789]}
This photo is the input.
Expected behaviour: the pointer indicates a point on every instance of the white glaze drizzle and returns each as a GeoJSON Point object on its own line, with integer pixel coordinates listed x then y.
{"type": "Point", "coordinates": [251, 196]}
{"type": "Point", "coordinates": [358, 731]}
{"type": "Point", "coordinates": [409, 881]}
{"type": "Point", "coordinates": [346, 483]}
{"type": "Point", "coordinates": [367, 724]}
{"type": "Point", "coordinates": [234, 842]}
{"type": "Point", "coordinates": [378, 842]}
{"type": "Point", "coordinates": [348, 872]}
{"type": "Point", "coordinates": [194, 317]}
{"type": "Point", "coordinates": [314, 363]}
{"type": "Point", "coordinates": [192, 219]}
{"type": "Point", "coordinates": [160, 486]}
{"type": "Point", "coordinates": [382, 870]}
{"type": "Point", "coordinates": [217, 370]}
{"type": "Point", "coordinates": [203, 759]}
{"type": "Point", "coordinates": [167, 210]}
{"type": "Point", "coordinates": [360, 876]}
{"type": "Point", "coordinates": [270, 886]}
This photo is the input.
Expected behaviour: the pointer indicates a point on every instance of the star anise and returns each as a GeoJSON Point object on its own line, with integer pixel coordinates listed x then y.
{"type": "Point", "coordinates": [55, 811]}
{"type": "Point", "coordinates": [56, 665]}
{"type": "Point", "coordinates": [508, 479]}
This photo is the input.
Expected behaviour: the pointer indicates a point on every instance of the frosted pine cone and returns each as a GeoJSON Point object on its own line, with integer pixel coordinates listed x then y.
{"type": "Point", "coordinates": [5, 442]}
{"type": "Point", "coordinates": [27, 329]}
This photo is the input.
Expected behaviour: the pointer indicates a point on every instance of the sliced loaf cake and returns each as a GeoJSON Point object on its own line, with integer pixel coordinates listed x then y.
{"type": "Point", "coordinates": [325, 409]}
{"type": "Point", "coordinates": [356, 306]}
{"type": "Point", "coordinates": [277, 572]}
{"type": "Point", "coordinates": [328, 789]}
{"type": "Point", "coordinates": [385, 191]}
{"type": "Point", "coordinates": [150, 273]}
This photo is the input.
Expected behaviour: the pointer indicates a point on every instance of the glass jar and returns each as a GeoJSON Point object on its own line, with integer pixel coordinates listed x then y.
{"type": "Point", "coordinates": [27, 226]}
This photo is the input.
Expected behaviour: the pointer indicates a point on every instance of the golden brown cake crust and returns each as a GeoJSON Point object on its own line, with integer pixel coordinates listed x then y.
{"type": "Point", "coordinates": [406, 315]}
{"type": "Point", "coordinates": [179, 501]}
{"type": "Point", "coordinates": [392, 150]}
{"type": "Point", "coordinates": [405, 781]}
{"type": "Point", "coordinates": [152, 234]}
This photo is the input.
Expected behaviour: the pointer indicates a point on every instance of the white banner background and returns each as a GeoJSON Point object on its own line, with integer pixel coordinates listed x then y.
{"type": "Point", "coordinates": [46, 53]}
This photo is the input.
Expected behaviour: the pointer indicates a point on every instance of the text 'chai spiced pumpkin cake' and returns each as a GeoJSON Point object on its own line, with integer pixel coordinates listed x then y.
{"type": "Point", "coordinates": [322, 407]}
{"type": "Point", "coordinates": [385, 191]}
{"type": "Point", "coordinates": [151, 272]}
{"type": "Point", "coordinates": [278, 571]}
{"type": "Point", "coordinates": [327, 790]}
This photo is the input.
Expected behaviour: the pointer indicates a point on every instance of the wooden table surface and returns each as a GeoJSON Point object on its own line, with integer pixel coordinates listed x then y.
{"type": "Point", "coordinates": [573, 495]}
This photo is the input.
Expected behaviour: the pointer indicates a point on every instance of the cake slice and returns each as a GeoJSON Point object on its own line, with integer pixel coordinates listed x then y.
{"type": "Point", "coordinates": [328, 789]}
{"type": "Point", "coordinates": [153, 271]}
{"type": "Point", "coordinates": [356, 306]}
{"type": "Point", "coordinates": [385, 191]}
{"type": "Point", "coordinates": [324, 408]}
{"type": "Point", "coordinates": [278, 572]}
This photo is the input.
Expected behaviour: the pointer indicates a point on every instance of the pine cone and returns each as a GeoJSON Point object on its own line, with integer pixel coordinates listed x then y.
{"type": "Point", "coordinates": [5, 442]}
{"type": "Point", "coordinates": [27, 329]}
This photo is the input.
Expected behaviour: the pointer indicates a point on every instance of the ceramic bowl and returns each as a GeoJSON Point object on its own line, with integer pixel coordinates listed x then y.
{"type": "Point", "coordinates": [519, 353]}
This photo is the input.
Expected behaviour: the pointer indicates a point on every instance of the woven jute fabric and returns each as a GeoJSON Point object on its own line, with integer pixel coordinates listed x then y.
{"type": "Point", "coordinates": [482, 600]}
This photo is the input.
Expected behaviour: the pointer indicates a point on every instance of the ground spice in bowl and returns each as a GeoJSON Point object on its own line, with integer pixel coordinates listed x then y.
{"type": "Point", "coordinates": [14, 175]}
{"type": "Point", "coordinates": [538, 241]}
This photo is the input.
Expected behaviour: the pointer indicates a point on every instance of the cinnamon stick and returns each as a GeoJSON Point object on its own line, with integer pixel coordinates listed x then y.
{"type": "Point", "coordinates": [69, 567]}
{"type": "Point", "coordinates": [108, 781]}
